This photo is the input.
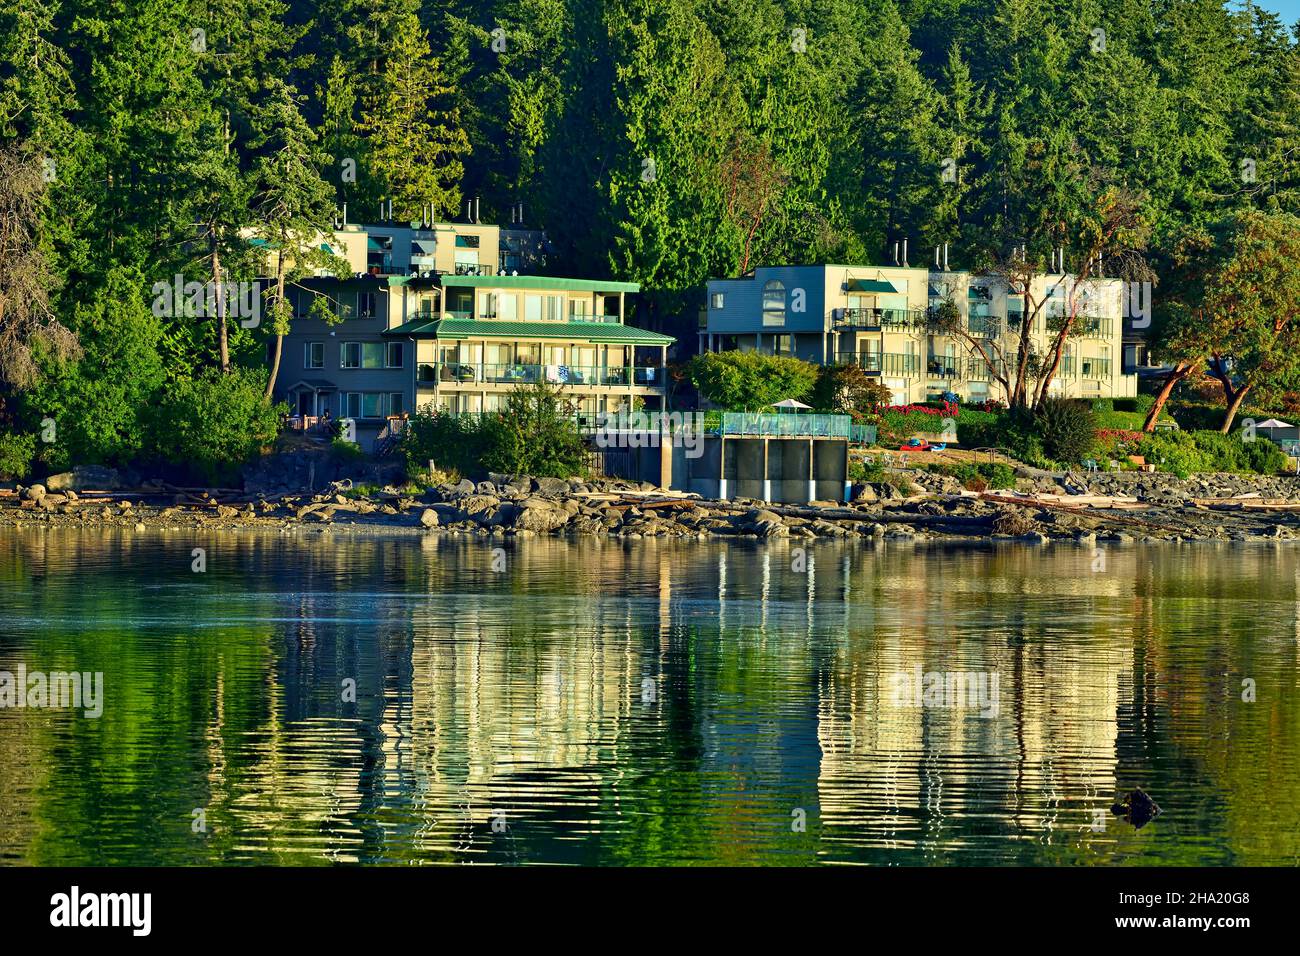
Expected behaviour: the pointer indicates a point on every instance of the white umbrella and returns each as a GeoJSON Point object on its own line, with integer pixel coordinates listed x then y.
{"type": "Point", "coordinates": [790, 403]}
{"type": "Point", "coordinates": [1273, 423]}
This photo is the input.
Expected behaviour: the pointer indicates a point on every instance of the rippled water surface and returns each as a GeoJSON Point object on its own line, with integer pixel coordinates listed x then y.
{"type": "Point", "coordinates": [648, 702]}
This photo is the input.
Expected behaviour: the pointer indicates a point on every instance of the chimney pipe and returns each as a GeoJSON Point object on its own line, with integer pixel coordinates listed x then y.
{"type": "Point", "coordinates": [936, 257]}
{"type": "Point", "coordinates": [477, 220]}
{"type": "Point", "coordinates": [945, 257]}
{"type": "Point", "coordinates": [905, 254]}
{"type": "Point", "coordinates": [895, 253]}
{"type": "Point", "coordinates": [521, 215]}
{"type": "Point", "coordinates": [345, 214]}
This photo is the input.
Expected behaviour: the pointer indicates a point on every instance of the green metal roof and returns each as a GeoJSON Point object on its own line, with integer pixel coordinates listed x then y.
{"type": "Point", "coordinates": [541, 282]}
{"type": "Point", "coordinates": [871, 285]}
{"type": "Point", "coordinates": [493, 328]}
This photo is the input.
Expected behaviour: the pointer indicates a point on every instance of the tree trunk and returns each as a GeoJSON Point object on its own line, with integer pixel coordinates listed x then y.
{"type": "Point", "coordinates": [1233, 407]}
{"type": "Point", "coordinates": [279, 329]}
{"type": "Point", "coordinates": [1179, 372]}
{"type": "Point", "coordinates": [223, 338]}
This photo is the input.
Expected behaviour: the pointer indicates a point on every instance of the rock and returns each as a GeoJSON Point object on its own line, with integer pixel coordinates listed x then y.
{"type": "Point", "coordinates": [429, 518]}
{"type": "Point", "coordinates": [539, 516]}
{"type": "Point", "coordinates": [864, 494]}
{"type": "Point", "coordinates": [33, 493]}
{"type": "Point", "coordinates": [86, 477]}
{"type": "Point", "coordinates": [473, 505]}
{"type": "Point", "coordinates": [551, 486]}
{"type": "Point", "coordinates": [1136, 807]}
{"type": "Point", "coordinates": [465, 487]}
{"type": "Point", "coordinates": [224, 511]}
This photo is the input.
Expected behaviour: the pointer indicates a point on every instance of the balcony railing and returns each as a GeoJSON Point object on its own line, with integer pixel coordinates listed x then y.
{"type": "Point", "coordinates": [1083, 326]}
{"type": "Point", "coordinates": [783, 424]}
{"type": "Point", "coordinates": [888, 363]}
{"type": "Point", "coordinates": [520, 373]}
{"type": "Point", "coordinates": [874, 320]}
{"type": "Point", "coordinates": [943, 366]}
{"type": "Point", "coordinates": [470, 269]}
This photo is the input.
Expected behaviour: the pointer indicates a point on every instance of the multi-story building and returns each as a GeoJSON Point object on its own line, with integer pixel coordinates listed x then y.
{"type": "Point", "coordinates": [428, 318]}
{"type": "Point", "coordinates": [876, 317]}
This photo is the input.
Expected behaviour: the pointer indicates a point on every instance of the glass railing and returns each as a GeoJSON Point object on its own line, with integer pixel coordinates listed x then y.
{"type": "Point", "coordinates": [1083, 326]}
{"type": "Point", "coordinates": [984, 325]}
{"type": "Point", "coordinates": [521, 373]}
{"type": "Point", "coordinates": [614, 319]}
{"type": "Point", "coordinates": [811, 425]}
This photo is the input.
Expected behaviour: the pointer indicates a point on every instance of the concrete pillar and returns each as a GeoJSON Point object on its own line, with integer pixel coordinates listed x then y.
{"type": "Point", "coordinates": [722, 466]}
{"type": "Point", "coordinates": [665, 455]}
{"type": "Point", "coordinates": [767, 475]}
{"type": "Point", "coordinates": [848, 485]}
{"type": "Point", "coordinates": [812, 482]}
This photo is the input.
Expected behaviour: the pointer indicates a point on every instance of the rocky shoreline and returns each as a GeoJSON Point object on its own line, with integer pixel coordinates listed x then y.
{"type": "Point", "coordinates": [916, 506]}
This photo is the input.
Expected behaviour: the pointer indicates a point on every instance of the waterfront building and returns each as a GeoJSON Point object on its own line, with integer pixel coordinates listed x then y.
{"type": "Point", "coordinates": [430, 318]}
{"type": "Point", "coordinates": [878, 317]}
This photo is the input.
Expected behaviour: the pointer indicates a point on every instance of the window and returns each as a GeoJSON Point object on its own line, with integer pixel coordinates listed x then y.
{"type": "Point", "coordinates": [578, 309]}
{"type": "Point", "coordinates": [366, 404]}
{"type": "Point", "coordinates": [533, 308]}
{"type": "Point", "coordinates": [508, 307]}
{"type": "Point", "coordinates": [367, 354]}
{"type": "Point", "coordinates": [774, 303]}
{"type": "Point", "coordinates": [365, 305]}
{"type": "Point", "coordinates": [313, 355]}
{"type": "Point", "coordinates": [394, 357]}
{"type": "Point", "coordinates": [487, 305]}
{"type": "Point", "coordinates": [716, 300]}
{"type": "Point", "coordinates": [781, 345]}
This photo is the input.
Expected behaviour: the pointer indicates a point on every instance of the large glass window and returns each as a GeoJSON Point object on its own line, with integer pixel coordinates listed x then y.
{"type": "Point", "coordinates": [533, 308]}
{"type": "Point", "coordinates": [314, 356]}
{"type": "Point", "coordinates": [774, 303]}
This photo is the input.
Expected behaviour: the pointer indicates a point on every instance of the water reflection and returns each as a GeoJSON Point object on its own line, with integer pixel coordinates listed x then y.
{"type": "Point", "coordinates": [647, 702]}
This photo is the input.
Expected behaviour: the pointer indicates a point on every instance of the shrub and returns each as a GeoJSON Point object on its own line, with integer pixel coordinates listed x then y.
{"type": "Point", "coordinates": [1186, 453]}
{"type": "Point", "coordinates": [1103, 405]}
{"type": "Point", "coordinates": [534, 435]}
{"type": "Point", "coordinates": [978, 476]}
{"type": "Point", "coordinates": [1067, 428]}
{"type": "Point", "coordinates": [848, 389]}
{"type": "Point", "coordinates": [212, 425]}
{"type": "Point", "coordinates": [1143, 404]}
{"type": "Point", "coordinates": [346, 451]}
{"type": "Point", "coordinates": [751, 381]}
{"type": "Point", "coordinates": [16, 452]}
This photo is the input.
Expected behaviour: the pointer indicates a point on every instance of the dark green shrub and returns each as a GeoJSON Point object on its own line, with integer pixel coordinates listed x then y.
{"type": "Point", "coordinates": [1103, 405]}
{"type": "Point", "coordinates": [16, 452]}
{"type": "Point", "coordinates": [1142, 404]}
{"type": "Point", "coordinates": [1067, 428]}
{"type": "Point", "coordinates": [212, 425]}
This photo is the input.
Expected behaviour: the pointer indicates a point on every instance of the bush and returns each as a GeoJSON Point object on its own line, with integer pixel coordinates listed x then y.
{"type": "Point", "coordinates": [1103, 405]}
{"type": "Point", "coordinates": [978, 476]}
{"type": "Point", "coordinates": [534, 435]}
{"type": "Point", "coordinates": [1187, 453]}
{"type": "Point", "coordinates": [1011, 432]}
{"type": "Point", "coordinates": [1067, 428]}
{"type": "Point", "coordinates": [1143, 404]}
{"type": "Point", "coordinates": [16, 453]}
{"type": "Point", "coordinates": [751, 381]}
{"type": "Point", "coordinates": [211, 426]}
{"type": "Point", "coordinates": [845, 389]}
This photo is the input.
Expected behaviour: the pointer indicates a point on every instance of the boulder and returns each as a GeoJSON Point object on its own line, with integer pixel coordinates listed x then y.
{"type": "Point", "coordinates": [429, 518]}
{"type": "Point", "coordinates": [551, 486]}
{"type": "Point", "coordinates": [539, 516]}
{"type": "Point", "coordinates": [33, 493]}
{"type": "Point", "coordinates": [465, 487]}
{"type": "Point", "coordinates": [86, 477]}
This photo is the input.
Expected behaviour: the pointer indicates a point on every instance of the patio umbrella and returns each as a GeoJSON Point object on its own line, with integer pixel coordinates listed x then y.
{"type": "Point", "coordinates": [1273, 423]}
{"type": "Point", "coordinates": [790, 403]}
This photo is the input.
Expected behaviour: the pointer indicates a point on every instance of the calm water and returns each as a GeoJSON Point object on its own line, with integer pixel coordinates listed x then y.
{"type": "Point", "coordinates": [646, 703]}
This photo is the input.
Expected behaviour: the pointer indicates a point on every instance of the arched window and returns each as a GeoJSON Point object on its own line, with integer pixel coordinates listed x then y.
{"type": "Point", "coordinates": [774, 303]}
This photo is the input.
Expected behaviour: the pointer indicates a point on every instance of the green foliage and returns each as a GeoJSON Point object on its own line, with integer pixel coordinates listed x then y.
{"type": "Point", "coordinates": [978, 476]}
{"type": "Point", "coordinates": [1103, 405]}
{"type": "Point", "coordinates": [16, 452]}
{"type": "Point", "coordinates": [214, 424]}
{"type": "Point", "coordinates": [346, 452]}
{"type": "Point", "coordinates": [1067, 428]}
{"type": "Point", "coordinates": [1190, 452]}
{"type": "Point", "coordinates": [534, 434]}
{"type": "Point", "coordinates": [751, 381]}
{"type": "Point", "coordinates": [846, 389]}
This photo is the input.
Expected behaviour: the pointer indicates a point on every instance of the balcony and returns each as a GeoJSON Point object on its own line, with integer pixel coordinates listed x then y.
{"type": "Point", "coordinates": [984, 326]}
{"type": "Point", "coordinates": [473, 269]}
{"type": "Point", "coordinates": [887, 363]}
{"type": "Point", "coordinates": [943, 366]}
{"type": "Point", "coordinates": [876, 320]}
{"type": "Point", "coordinates": [1084, 326]}
{"type": "Point", "coordinates": [525, 373]}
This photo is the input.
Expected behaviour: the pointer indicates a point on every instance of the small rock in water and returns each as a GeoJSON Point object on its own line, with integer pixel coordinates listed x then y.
{"type": "Point", "coordinates": [1136, 808]}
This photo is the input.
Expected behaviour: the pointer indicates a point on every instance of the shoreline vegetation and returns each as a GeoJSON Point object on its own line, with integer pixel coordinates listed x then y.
{"type": "Point", "coordinates": [914, 506]}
